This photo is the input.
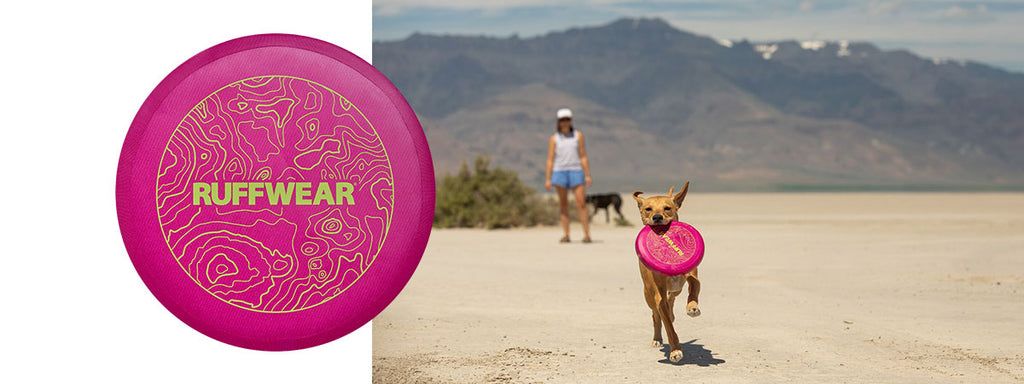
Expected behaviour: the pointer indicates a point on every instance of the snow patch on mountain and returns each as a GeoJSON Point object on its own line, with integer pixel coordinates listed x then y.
{"type": "Point", "coordinates": [766, 50]}
{"type": "Point", "coordinates": [815, 45]}
{"type": "Point", "coordinates": [844, 49]}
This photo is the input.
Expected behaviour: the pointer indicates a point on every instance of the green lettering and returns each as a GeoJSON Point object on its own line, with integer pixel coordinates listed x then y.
{"type": "Point", "coordinates": [227, 193]}
{"type": "Point", "coordinates": [302, 193]}
{"type": "Point", "coordinates": [323, 192]}
{"type": "Point", "coordinates": [281, 193]}
{"type": "Point", "coordinates": [251, 193]}
{"type": "Point", "coordinates": [672, 244]}
{"type": "Point", "coordinates": [344, 191]}
{"type": "Point", "coordinates": [200, 192]}
{"type": "Point", "coordinates": [237, 192]}
{"type": "Point", "coordinates": [254, 192]}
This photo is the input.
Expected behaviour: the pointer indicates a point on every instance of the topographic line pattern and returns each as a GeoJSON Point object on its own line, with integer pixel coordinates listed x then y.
{"type": "Point", "coordinates": [661, 249]}
{"type": "Point", "coordinates": [275, 258]}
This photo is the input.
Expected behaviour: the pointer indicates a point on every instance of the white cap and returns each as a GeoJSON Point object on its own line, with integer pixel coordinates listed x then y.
{"type": "Point", "coordinates": [564, 113]}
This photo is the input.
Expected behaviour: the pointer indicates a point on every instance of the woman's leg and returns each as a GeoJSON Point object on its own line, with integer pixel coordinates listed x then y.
{"type": "Point", "coordinates": [581, 206]}
{"type": "Point", "coordinates": [563, 210]}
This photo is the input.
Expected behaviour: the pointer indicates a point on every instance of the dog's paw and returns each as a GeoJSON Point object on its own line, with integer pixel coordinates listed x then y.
{"type": "Point", "coordinates": [691, 309]}
{"type": "Point", "coordinates": [693, 312]}
{"type": "Point", "coordinates": [675, 356]}
{"type": "Point", "coordinates": [655, 343]}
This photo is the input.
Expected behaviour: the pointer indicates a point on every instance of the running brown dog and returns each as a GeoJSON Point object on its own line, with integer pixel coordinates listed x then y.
{"type": "Point", "coordinates": [661, 290]}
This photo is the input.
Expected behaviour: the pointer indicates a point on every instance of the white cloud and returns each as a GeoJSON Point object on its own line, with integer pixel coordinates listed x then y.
{"type": "Point", "coordinates": [806, 6]}
{"type": "Point", "coordinates": [905, 26]}
{"type": "Point", "coordinates": [958, 13]}
{"type": "Point", "coordinates": [885, 7]}
{"type": "Point", "coordinates": [387, 10]}
{"type": "Point", "coordinates": [391, 5]}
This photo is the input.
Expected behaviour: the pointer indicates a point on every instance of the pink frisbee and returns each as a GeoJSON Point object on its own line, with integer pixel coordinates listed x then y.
{"type": "Point", "coordinates": [257, 191]}
{"type": "Point", "coordinates": [672, 249]}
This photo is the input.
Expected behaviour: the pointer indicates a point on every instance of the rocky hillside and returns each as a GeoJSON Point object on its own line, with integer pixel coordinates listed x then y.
{"type": "Point", "coordinates": [659, 105]}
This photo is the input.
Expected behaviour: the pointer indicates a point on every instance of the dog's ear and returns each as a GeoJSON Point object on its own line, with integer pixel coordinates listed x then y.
{"type": "Point", "coordinates": [639, 200]}
{"type": "Point", "coordinates": [678, 198]}
{"type": "Point", "coordinates": [670, 190]}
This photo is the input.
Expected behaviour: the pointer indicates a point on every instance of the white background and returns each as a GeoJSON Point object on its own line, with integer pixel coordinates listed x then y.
{"type": "Point", "coordinates": [74, 75]}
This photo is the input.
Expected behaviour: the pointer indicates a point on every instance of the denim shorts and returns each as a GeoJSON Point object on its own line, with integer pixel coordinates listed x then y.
{"type": "Point", "coordinates": [567, 179]}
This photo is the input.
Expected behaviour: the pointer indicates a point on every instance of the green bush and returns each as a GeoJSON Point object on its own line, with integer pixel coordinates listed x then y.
{"type": "Point", "coordinates": [489, 198]}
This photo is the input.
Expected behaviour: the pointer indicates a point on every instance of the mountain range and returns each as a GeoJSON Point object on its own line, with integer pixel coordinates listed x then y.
{"type": "Point", "coordinates": [659, 105]}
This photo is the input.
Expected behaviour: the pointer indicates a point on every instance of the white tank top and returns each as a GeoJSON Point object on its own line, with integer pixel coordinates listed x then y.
{"type": "Point", "coordinates": [567, 153]}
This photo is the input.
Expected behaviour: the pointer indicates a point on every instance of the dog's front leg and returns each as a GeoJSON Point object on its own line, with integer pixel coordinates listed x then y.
{"type": "Point", "coordinates": [691, 301]}
{"type": "Point", "coordinates": [652, 302]}
{"type": "Point", "coordinates": [665, 309]}
{"type": "Point", "coordinates": [656, 341]}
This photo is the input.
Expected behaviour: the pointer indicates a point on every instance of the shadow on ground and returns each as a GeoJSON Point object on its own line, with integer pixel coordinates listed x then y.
{"type": "Point", "coordinates": [693, 354]}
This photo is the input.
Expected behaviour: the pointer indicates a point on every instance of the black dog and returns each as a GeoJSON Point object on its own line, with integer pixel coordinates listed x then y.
{"type": "Point", "coordinates": [602, 201]}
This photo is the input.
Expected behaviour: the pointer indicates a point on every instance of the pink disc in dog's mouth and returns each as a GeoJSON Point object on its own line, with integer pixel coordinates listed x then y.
{"type": "Point", "coordinates": [256, 192]}
{"type": "Point", "coordinates": [672, 249]}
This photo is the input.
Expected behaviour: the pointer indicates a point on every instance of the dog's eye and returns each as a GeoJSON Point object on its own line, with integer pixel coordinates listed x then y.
{"type": "Point", "coordinates": [648, 209]}
{"type": "Point", "coordinates": [668, 208]}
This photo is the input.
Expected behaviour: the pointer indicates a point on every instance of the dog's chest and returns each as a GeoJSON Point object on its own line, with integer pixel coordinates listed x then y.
{"type": "Point", "coordinates": [675, 283]}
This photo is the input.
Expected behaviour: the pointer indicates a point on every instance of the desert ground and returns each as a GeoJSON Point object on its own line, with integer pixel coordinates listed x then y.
{"type": "Point", "coordinates": [796, 288]}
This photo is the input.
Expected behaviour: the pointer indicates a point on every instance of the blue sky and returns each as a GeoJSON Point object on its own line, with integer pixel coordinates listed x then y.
{"type": "Point", "coordinates": [991, 32]}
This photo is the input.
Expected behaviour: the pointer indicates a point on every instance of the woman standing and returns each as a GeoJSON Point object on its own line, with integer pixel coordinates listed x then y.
{"type": "Point", "coordinates": [567, 169]}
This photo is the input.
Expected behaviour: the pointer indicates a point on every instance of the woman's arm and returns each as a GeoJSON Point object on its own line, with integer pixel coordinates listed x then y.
{"type": "Point", "coordinates": [551, 163]}
{"type": "Point", "coordinates": [583, 159]}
